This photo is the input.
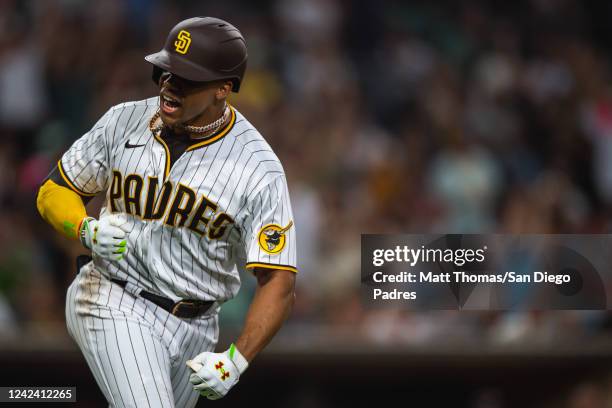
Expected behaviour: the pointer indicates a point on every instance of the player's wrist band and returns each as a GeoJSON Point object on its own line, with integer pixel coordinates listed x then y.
{"type": "Point", "coordinates": [237, 358]}
{"type": "Point", "coordinates": [84, 231]}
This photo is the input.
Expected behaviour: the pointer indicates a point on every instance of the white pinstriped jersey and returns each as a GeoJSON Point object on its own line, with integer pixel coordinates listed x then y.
{"type": "Point", "coordinates": [222, 206]}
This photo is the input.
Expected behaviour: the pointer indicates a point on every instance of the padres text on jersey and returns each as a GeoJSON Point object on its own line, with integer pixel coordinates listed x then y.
{"type": "Point", "coordinates": [220, 207]}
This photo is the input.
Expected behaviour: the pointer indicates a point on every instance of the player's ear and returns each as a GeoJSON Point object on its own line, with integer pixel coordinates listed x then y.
{"type": "Point", "coordinates": [223, 90]}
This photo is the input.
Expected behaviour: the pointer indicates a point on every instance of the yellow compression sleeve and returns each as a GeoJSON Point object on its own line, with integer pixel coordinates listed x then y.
{"type": "Point", "coordinates": [61, 207]}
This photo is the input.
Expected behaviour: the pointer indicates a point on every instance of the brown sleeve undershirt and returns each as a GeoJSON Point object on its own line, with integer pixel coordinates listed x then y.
{"type": "Point", "coordinates": [57, 178]}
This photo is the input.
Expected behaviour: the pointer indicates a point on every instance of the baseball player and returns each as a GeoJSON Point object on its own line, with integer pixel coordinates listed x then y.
{"type": "Point", "coordinates": [193, 195]}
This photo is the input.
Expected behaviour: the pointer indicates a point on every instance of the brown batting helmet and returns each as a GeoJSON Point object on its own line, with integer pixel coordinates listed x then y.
{"type": "Point", "coordinates": [202, 49]}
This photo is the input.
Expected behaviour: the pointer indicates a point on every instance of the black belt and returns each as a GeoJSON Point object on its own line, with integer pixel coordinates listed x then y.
{"type": "Point", "coordinates": [186, 308]}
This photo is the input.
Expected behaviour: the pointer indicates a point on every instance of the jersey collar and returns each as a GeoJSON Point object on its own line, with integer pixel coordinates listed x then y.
{"type": "Point", "coordinates": [218, 134]}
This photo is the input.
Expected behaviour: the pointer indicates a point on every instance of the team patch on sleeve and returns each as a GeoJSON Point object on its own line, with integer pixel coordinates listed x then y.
{"type": "Point", "coordinates": [272, 239]}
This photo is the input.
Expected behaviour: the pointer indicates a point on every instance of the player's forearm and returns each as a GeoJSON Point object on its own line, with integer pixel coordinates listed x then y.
{"type": "Point", "coordinates": [61, 207]}
{"type": "Point", "coordinates": [270, 307]}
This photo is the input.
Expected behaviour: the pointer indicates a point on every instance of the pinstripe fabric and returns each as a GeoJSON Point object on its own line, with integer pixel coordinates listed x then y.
{"type": "Point", "coordinates": [239, 173]}
{"type": "Point", "coordinates": [137, 351]}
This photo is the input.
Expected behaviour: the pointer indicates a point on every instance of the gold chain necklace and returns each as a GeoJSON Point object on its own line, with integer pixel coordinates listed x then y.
{"type": "Point", "coordinates": [212, 127]}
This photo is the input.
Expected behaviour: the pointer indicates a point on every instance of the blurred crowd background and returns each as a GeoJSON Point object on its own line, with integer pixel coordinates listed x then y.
{"type": "Point", "coordinates": [389, 116]}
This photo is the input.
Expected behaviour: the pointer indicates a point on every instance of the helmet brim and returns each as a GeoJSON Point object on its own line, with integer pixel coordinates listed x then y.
{"type": "Point", "coordinates": [185, 69]}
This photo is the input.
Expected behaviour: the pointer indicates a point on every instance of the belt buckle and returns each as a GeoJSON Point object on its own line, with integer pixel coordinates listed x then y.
{"type": "Point", "coordinates": [177, 306]}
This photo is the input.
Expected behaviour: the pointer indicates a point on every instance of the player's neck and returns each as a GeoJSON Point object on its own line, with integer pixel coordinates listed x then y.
{"type": "Point", "coordinates": [214, 118]}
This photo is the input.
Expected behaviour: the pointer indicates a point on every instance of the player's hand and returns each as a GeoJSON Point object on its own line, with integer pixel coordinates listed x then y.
{"type": "Point", "coordinates": [216, 373]}
{"type": "Point", "coordinates": [105, 237]}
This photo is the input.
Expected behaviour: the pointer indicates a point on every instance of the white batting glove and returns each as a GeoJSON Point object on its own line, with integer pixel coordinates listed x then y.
{"type": "Point", "coordinates": [106, 237]}
{"type": "Point", "coordinates": [216, 373]}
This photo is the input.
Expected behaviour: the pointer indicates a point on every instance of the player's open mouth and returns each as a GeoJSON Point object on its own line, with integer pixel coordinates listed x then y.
{"type": "Point", "coordinates": [169, 104]}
